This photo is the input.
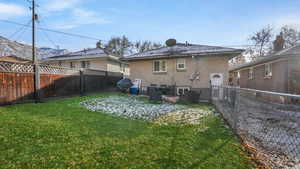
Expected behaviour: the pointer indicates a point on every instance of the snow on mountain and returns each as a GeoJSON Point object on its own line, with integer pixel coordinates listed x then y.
{"type": "Point", "coordinates": [46, 52]}
{"type": "Point", "coordinates": [23, 50]}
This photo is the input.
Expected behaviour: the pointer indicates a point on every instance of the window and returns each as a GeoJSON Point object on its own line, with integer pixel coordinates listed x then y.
{"type": "Point", "coordinates": [250, 75]}
{"type": "Point", "coordinates": [268, 70]}
{"type": "Point", "coordinates": [122, 67]}
{"type": "Point", "coordinates": [72, 65]}
{"type": "Point", "coordinates": [85, 64]}
{"type": "Point", "coordinates": [59, 63]}
{"type": "Point", "coordinates": [180, 64]}
{"type": "Point", "coordinates": [159, 66]}
{"type": "Point", "coordinates": [238, 75]}
{"type": "Point", "coordinates": [182, 90]}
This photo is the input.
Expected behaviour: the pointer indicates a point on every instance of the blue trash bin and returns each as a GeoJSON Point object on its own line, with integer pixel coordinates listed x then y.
{"type": "Point", "coordinates": [134, 90]}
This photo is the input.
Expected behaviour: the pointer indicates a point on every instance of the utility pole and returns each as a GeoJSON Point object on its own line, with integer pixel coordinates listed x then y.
{"type": "Point", "coordinates": [36, 75]}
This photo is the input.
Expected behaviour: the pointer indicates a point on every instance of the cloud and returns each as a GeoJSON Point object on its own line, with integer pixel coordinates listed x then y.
{"type": "Point", "coordinates": [81, 17]}
{"type": "Point", "coordinates": [57, 5]}
{"type": "Point", "coordinates": [291, 20]}
{"type": "Point", "coordinates": [11, 10]}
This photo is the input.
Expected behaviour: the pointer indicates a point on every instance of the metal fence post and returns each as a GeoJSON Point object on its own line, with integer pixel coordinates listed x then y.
{"type": "Point", "coordinates": [82, 82]}
{"type": "Point", "coordinates": [237, 108]}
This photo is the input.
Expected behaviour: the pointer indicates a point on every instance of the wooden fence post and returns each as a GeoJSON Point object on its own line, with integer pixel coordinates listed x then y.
{"type": "Point", "coordinates": [37, 83]}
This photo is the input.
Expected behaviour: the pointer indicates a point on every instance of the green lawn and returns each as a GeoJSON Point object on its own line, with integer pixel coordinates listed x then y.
{"type": "Point", "coordinates": [62, 134]}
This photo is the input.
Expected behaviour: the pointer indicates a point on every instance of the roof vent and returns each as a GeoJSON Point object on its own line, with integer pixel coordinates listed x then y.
{"type": "Point", "coordinates": [171, 42]}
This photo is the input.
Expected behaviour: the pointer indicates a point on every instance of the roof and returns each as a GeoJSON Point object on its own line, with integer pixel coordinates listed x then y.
{"type": "Point", "coordinates": [13, 58]}
{"type": "Point", "coordinates": [83, 54]}
{"type": "Point", "coordinates": [180, 50]}
{"type": "Point", "coordinates": [288, 52]}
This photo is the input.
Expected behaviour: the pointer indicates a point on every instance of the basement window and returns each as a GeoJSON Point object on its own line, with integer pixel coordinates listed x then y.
{"type": "Point", "coordinates": [182, 90]}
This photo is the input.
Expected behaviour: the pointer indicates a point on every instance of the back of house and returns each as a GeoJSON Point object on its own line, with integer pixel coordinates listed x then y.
{"type": "Point", "coordinates": [183, 66]}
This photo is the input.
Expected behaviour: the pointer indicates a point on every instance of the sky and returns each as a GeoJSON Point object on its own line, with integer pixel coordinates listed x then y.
{"type": "Point", "coordinates": [207, 22]}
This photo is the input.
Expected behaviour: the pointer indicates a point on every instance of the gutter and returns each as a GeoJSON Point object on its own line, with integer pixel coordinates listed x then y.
{"type": "Point", "coordinates": [261, 61]}
{"type": "Point", "coordinates": [180, 55]}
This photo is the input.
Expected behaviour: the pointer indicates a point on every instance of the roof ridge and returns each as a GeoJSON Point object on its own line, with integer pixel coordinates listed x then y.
{"type": "Point", "coordinates": [287, 49]}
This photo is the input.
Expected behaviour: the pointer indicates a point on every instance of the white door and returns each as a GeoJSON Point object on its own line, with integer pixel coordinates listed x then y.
{"type": "Point", "coordinates": [216, 80]}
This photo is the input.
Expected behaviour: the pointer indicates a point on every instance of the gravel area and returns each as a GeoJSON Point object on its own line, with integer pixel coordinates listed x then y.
{"type": "Point", "coordinates": [188, 116]}
{"type": "Point", "coordinates": [131, 107]}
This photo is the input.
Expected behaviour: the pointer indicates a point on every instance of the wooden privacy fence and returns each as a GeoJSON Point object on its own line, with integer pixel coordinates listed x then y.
{"type": "Point", "coordinates": [17, 84]}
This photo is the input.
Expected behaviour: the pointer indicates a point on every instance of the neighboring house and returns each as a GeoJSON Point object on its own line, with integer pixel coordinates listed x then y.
{"type": "Point", "coordinates": [183, 66]}
{"type": "Point", "coordinates": [13, 59]}
{"type": "Point", "coordinates": [278, 72]}
{"type": "Point", "coordinates": [95, 58]}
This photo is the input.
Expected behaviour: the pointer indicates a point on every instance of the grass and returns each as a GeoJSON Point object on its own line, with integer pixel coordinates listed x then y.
{"type": "Point", "coordinates": [62, 134]}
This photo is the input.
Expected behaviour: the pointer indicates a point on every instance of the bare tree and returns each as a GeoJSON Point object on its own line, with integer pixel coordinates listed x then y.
{"type": "Point", "coordinates": [262, 39]}
{"type": "Point", "coordinates": [142, 46]}
{"type": "Point", "coordinates": [290, 35]}
{"type": "Point", "coordinates": [118, 46]}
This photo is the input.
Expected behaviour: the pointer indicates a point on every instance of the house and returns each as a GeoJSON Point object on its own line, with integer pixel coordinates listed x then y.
{"type": "Point", "coordinates": [278, 72]}
{"type": "Point", "coordinates": [182, 65]}
{"type": "Point", "coordinates": [14, 59]}
{"type": "Point", "coordinates": [95, 58]}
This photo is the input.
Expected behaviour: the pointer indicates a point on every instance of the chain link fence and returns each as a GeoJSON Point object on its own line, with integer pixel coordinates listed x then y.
{"type": "Point", "coordinates": [268, 124]}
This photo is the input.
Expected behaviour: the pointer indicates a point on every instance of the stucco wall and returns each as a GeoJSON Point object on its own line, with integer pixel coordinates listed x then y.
{"type": "Point", "coordinates": [205, 65]}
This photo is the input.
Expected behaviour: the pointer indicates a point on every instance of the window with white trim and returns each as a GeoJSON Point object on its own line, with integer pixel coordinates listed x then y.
{"type": "Point", "coordinates": [181, 64]}
{"type": "Point", "coordinates": [122, 67]}
{"type": "Point", "coordinates": [238, 74]}
{"type": "Point", "coordinates": [250, 75]}
{"type": "Point", "coordinates": [85, 64]}
{"type": "Point", "coordinates": [60, 63]}
{"type": "Point", "coordinates": [182, 90]}
{"type": "Point", "coordinates": [268, 70]}
{"type": "Point", "coordinates": [72, 65]}
{"type": "Point", "coordinates": [159, 66]}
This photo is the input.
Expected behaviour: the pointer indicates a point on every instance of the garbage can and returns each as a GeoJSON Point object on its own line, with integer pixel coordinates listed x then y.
{"type": "Point", "coordinates": [135, 87]}
{"type": "Point", "coordinates": [134, 90]}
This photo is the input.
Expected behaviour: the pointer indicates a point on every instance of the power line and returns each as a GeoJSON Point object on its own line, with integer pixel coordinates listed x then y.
{"type": "Point", "coordinates": [48, 38]}
{"type": "Point", "coordinates": [21, 34]}
{"type": "Point", "coordinates": [88, 37]}
{"type": "Point", "coordinates": [19, 30]}
{"type": "Point", "coordinates": [54, 31]}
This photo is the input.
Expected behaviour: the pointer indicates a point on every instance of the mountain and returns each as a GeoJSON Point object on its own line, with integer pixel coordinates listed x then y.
{"type": "Point", "coordinates": [23, 50]}
{"type": "Point", "coordinates": [46, 52]}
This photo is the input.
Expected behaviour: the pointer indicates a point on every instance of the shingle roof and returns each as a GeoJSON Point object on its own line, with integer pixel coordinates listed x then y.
{"type": "Point", "coordinates": [182, 50]}
{"type": "Point", "coordinates": [83, 54]}
{"type": "Point", "coordinates": [292, 51]}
